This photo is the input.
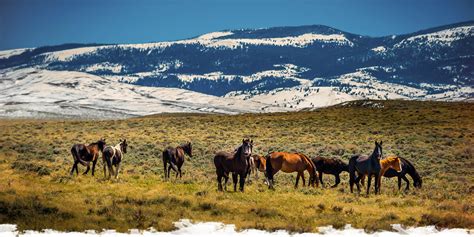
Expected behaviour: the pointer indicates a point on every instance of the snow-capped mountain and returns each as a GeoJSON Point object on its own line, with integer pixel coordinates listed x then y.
{"type": "Point", "coordinates": [273, 69]}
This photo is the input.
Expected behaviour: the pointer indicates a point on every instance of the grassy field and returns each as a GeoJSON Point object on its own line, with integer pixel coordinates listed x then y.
{"type": "Point", "coordinates": [36, 191]}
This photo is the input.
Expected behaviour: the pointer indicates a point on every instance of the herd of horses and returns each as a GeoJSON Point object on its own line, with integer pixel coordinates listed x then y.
{"type": "Point", "coordinates": [241, 163]}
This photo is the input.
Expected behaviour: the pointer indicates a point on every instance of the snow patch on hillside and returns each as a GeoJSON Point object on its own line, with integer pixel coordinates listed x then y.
{"type": "Point", "coordinates": [40, 93]}
{"type": "Point", "coordinates": [442, 38]}
{"type": "Point", "coordinates": [4, 54]}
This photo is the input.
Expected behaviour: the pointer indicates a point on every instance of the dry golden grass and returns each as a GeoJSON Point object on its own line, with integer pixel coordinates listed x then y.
{"type": "Point", "coordinates": [36, 191]}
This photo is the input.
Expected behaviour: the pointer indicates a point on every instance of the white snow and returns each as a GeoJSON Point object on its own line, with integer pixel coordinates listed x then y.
{"type": "Point", "coordinates": [8, 53]}
{"type": "Point", "coordinates": [379, 49]}
{"type": "Point", "coordinates": [187, 228]}
{"type": "Point", "coordinates": [443, 37]}
{"type": "Point", "coordinates": [214, 35]}
{"type": "Point", "coordinates": [40, 93]}
{"type": "Point", "coordinates": [113, 67]}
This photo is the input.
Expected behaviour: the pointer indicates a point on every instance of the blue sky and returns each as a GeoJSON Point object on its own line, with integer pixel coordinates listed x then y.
{"type": "Point", "coordinates": [33, 23]}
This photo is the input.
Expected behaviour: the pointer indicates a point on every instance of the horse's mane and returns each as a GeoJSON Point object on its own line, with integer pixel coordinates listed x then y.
{"type": "Point", "coordinates": [309, 162]}
{"type": "Point", "coordinates": [238, 152]}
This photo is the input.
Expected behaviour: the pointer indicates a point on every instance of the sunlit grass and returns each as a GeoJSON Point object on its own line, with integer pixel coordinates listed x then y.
{"type": "Point", "coordinates": [36, 191]}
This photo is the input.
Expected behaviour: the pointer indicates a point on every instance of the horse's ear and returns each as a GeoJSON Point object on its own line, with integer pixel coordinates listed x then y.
{"type": "Point", "coordinates": [243, 140]}
{"type": "Point", "coordinates": [376, 143]}
{"type": "Point", "coordinates": [251, 141]}
{"type": "Point", "coordinates": [380, 142]}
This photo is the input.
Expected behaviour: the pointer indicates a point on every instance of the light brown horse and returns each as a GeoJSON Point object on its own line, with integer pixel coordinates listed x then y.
{"type": "Point", "coordinates": [392, 162]}
{"type": "Point", "coordinates": [289, 163]}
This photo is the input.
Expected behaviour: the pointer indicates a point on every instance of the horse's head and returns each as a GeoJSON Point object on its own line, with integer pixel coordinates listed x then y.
{"type": "Point", "coordinates": [246, 147]}
{"type": "Point", "coordinates": [417, 184]}
{"type": "Point", "coordinates": [378, 152]}
{"type": "Point", "coordinates": [124, 145]}
{"type": "Point", "coordinates": [101, 144]}
{"type": "Point", "coordinates": [188, 148]}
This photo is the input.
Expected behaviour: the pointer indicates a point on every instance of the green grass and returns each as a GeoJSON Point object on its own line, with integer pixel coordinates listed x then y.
{"type": "Point", "coordinates": [36, 191]}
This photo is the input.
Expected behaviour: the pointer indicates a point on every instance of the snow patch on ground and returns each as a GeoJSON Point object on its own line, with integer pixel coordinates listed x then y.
{"type": "Point", "coordinates": [4, 54]}
{"type": "Point", "coordinates": [187, 228]}
{"type": "Point", "coordinates": [443, 37]}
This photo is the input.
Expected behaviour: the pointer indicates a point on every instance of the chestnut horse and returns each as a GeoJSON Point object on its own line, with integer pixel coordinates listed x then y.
{"type": "Point", "coordinates": [288, 163]}
{"type": "Point", "coordinates": [390, 162]}
{"type": "Point", "coordinates": [84, 154]}
{"type": "Point", "coordinates": [330, 166]}
{"type": "Point", "coordinates": [235, 162]}
{"type": "Point", "coordinates": [407, 168]}
{"type": "Point", "coordinates": [366, 165]}
{"type": "Point", "coordinates": [175, 158]}
{"type": "Point", "coordinates": [112, 156]}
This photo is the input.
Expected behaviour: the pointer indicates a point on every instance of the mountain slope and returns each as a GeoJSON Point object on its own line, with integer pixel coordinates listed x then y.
{"type": "Point", "coordinates": [286, 67]}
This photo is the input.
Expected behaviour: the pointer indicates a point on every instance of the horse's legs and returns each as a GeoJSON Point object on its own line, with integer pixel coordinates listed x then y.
{"type": "Point", "coordinates": [73, 166]}
{"type": "Point", "coordinates": [169, 170]}
{"type": "Point", "coordinates": [180, 174]}
{"type": "Point", "coordinates": [369, 177]}
{"type": "Point", "coordinates": [297, 179]}
{"type": "Point", "coordinates": [219, 184]}
{"type": "Point", "coordinates": [321, 178]}
{"type": "Point", "coordinates": [165, 164]}
{"type": "Point", "coordinates": [234, 180]}
{"type": "Point", "coordinates": [338, 180]}
{"type": "Point", "coordinates": [242, 181]}
{"type": "Point", "coordinates": [304, 181]}
{"type": "Point", "coordinates": [93, 166]}
{"type": "Point", "coordinates": [408, 183]}
{"type": "Point", "coordinates": [378, 181]}
{"type": "Point", "coordinates": [117, 169]}
{"type": "Point", "coordinates": [226, 179]}
{"type": "Point", "coordinates": [357, 182]}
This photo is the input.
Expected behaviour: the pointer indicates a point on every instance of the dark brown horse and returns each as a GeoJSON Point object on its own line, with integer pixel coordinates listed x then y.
{"type": "Point", "coordinates": [330, 166]}
{"type": "Point", "coordinates": [84, 154]}
{"type": "Point", "coordinates": [235, 162]}
{"type": "Point", "coordinates": [174, 156]}
{"type": "Point", "coordinates": [366, 165]}
{"type": "Point", "coordinates": [289, 163]}
{"type": "Point", "coordinates": [112, 156]}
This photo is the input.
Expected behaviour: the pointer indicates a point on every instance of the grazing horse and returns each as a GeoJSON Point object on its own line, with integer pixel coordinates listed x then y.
{"type": "Point", "coordinates": [288, 163]}
{"type": "Point", "coordinates": [256, 164]}
{"type": "Point", "coordinates": [330, 166]}
{"type": "Point", "coordinates": [407, 168]}
{"type": "Point", "coordinates": [84, 154]}
{"type": "Point", "coordinates": [174, 156]}
{"type": "Point", "coordinates": [235, 163]}
{"type": "Point", "coordinates": [366, 165]}
{"type": "Point", "coordinates": [112, 156]}
{"type": "Point", "coordinates": [390, 162]}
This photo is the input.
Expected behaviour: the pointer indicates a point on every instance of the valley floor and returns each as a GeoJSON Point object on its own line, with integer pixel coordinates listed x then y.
{"type": "Point", "coordinates": [36, 191]}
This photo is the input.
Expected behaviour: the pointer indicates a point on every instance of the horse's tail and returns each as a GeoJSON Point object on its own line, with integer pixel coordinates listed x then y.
{"type": "Point", "coordinates": [269, 170]}
{"type": "Point", "coordinates": [313, 174]}
{"type": "Point", "coordinates": [76, 156]}
{"type": "Point", "coordinates": [351, 169]}
{"type": "Point", "coordinates": [168, 159]}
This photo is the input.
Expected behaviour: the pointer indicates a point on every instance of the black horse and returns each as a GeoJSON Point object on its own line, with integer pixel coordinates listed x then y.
{"type": "Point", "coordinates": [330, 166]}
{"type": "Point", "coordinates": [366, 165]}
{"type": "Point", "coordinates": [407, 168]}
{"type": "Point", "coordinates": [235, 162]}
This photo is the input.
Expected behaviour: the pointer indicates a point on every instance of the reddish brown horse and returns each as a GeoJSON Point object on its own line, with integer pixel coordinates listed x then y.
{"type": "Point", "coordinates": [174, 156]}
{"type": "Point", "coordinates": [288, 163]}
{"type": "Point", "coordinates": [84, 154]}
{"type": "Point", "coordinates": [235, 162]}
{"type": "Point", "coordinates": [330, 166]}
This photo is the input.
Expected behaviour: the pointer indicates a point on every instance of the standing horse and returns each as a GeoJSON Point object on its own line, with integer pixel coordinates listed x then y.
{"type": "Point", "coordinates": [407, 168]}
{"type": "Point", "coordinates": [288, 163]}
{"type": "Point", "coordinates": [175, 158]}
{"type": "Point", "coordinates": [366, 165]}
{"type": "Point", "coordinates": [256, 164]}
{"type": "Point", "coordinates": [235, 163]}
{"type": "Point", "coordinates": [330, 166]}
{"type": "Point", "coordinates": [84, 154]}
{"type": "Point", "coordinates": [112, 156]}
{"type": "Point", "coordinates": [390, 162]}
